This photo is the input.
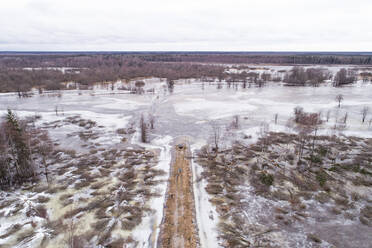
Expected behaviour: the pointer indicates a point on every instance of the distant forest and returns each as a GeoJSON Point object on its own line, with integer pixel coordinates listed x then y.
{"type": "Point", "coordinates": [88, 68]}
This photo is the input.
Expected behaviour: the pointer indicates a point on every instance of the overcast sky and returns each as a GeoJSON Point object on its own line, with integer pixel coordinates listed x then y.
{"type": "Point", "coordinates": [186, 25]}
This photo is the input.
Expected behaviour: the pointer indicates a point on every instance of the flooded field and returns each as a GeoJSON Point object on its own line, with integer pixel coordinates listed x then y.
{"type": "Point", "coordinates": [109, 188]}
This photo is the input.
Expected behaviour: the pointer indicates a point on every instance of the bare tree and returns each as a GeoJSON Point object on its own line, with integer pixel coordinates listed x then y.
{"type": "Point", "coordinates": [306, 123]}
{"type": "Point", "coordinates": [345, 118]}
{"type": "Point", "coordinates": [139, 87]}
{"type": "Point", "coordinates": [339, 99]}
{"type": "Point", "coordinates": [298, 112]}
{"type": "Point", "coordinates": [343, 77]}
{"type": "Point", "coordinates": [266, 77]}
{"type": "Point", "coordinates": [152, 120]}
{"type": "Point", "coordinates": [263, 133]}
{"type": "Point", "coordinates": [45, 149]}
{"type": "Point", "coordinates": [170, 85]}
{"type": "Point", "coordinates": [365, 111]}
{"type": "Point", "coordinates": [235, 122]}
{"type": "Point", "coordinates": [143, 127]}
{"type": "Point", "coordinates": [276, 118]}
{"type": "Point", "coordinates": [328, 115]}
{"type": "Point", "coordinates": [216, 135]}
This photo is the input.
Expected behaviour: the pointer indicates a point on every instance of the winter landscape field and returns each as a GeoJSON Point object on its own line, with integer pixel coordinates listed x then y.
{"type": "Point", "coordinates": [245, 155]}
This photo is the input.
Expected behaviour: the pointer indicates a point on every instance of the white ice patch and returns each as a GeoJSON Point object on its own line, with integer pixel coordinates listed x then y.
{"type": "Point", "coordinates": [206, 216]}
{"type": "Point", "coordinates": [147, 232]}
{"type": "Point", "coordinates": [211, 109]}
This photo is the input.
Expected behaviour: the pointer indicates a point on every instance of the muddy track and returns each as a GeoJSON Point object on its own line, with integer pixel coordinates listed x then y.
{"type": "Point", "coordinates": [178, 228]}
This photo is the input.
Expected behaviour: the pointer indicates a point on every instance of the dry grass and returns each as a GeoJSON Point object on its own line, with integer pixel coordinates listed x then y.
{"type": "Point", "coordinates": [11, 230]}
{"type": "Point", "coordinates": [42, 199]}
{"type": "Point", "coordinates": [26, 236]}
{"type": "Point", "coordinates": [82, 184]}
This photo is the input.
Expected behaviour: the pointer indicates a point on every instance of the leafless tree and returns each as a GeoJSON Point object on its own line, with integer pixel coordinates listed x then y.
{"type": "Point", "coordinates": [139, 87]}
{"type": "Point", "coordinates": [298, 112]}
{"type": "Point", "coordinates": [143, 127]}
{"type": "Point", "coordinates": [263, 134]}
{"type": "Point", "coordinates": [45, 149]}
{"type": "Point", "coordinates": [297, 76]}
{"type": "Point", "coordinates": [365, 111]}
{"type": "Point", "coordinates": [170, 84]}
{"type": "Point", "coordinates": [266, 76]}
{"type": "Point", "coordinates": [152, 120]}
{"type": "Point", "coordinates": [235, 122]}
{"type": "Point", "coordinates": [216, 135]}
{"type": "Point", "coordinates": [276, 118]}
{"type": "Point", "coordinates": [345, 118]}
{"type": "Point", "coordinates": [328, 115]}
{"type": "Point", "coordinates": [306, 123]}
{"type": "Point", "coordinates": [343, 77]}
{"type": "Point", "coordinates": [339, 99]}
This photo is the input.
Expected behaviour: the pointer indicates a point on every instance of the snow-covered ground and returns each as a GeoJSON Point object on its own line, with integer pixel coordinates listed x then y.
{"type": "Point", "coordinates": [206, 215]}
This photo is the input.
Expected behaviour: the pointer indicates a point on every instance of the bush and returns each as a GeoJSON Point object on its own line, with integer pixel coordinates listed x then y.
{"type": "Point", "coordinates": [321, 177]}
{"type": "Point", "coordinates": [266, 179]}
{"type": "Point", "coordinates": [315, 159]}
{"type": "Point", "coordinates": [322, 151]}
{"type": "Point", "coordinates": [314, 238]}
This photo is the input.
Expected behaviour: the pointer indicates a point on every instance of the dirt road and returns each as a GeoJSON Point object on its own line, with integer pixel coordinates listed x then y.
{"type": "Point", "coordinates": [179, 225]}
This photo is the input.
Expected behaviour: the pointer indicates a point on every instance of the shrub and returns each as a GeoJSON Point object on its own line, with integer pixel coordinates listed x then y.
{"type": "Point", "coordinates": [321, 177]}
{"type": "Point", "coordinates": [266, 179]}
{"type": "Point", "coordinates": [314, 238]}
{"type": "Point", "coordinates": [315, 159]}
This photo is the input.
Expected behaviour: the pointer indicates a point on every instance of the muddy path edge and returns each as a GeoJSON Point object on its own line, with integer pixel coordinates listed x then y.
{"type": "Point", "coordinates": [188, 174]}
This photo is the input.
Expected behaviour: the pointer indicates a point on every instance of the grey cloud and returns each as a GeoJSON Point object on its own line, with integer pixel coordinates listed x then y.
{"type": "Point", "coordinates": [185, 25]}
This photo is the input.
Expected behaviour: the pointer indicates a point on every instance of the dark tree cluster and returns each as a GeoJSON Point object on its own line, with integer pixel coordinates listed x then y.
{"type": "Point", "coordinates": [20, 146]}
{"type": "Point", "coordinates": [19, 80]}
{"type": "Point", "coordinates": [366, 76]}
{"type": "Point", "coordinates": [344, 77]}
{"type": "Point", "coordinates": [90, 60]}
{"type": "Point", "coordinates": [311, 76]}
{"type": "Point", "coordinates": [248, 58]}
{"type": "Point", "coordinates": [93, 69]}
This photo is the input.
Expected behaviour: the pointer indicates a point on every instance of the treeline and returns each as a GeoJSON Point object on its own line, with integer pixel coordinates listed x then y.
{"type": "Point", "coordinates": [97, 69]}
{"type": "Point", "coordinates": [96, 60]}
{"type": "Point", "coordinates": [86, 69]}
{"type": "Point", "coordinates": [19, 80]}
{"type": "Point", "coordinates": [262, 58]}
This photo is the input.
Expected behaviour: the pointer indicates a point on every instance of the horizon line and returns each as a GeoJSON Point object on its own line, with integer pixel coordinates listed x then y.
{"type": "Point", "coordinates": [181, 52]}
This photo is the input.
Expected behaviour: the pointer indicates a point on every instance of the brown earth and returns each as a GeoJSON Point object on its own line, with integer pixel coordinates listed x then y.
{"type": "Point", "coordinates": [178, 228]}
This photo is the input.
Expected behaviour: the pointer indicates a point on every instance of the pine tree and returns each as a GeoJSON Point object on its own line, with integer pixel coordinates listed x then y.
{"type": "Point", "coordinates": [21, 155]}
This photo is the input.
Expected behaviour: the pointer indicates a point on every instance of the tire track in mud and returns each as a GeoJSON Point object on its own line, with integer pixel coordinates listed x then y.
{"type": "Point", "coordinates": [179, 228]}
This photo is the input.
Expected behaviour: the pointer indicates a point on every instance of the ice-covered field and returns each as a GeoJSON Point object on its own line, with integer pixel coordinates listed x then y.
{"type": "Point", "coordinates": [189, 111]}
